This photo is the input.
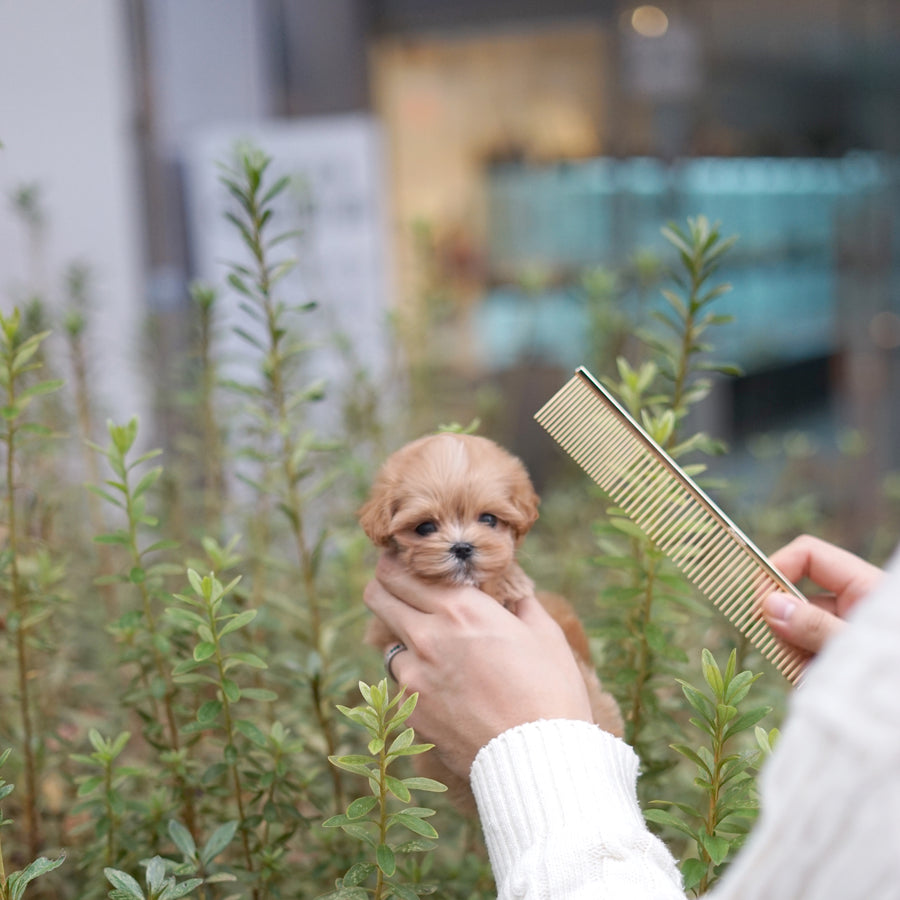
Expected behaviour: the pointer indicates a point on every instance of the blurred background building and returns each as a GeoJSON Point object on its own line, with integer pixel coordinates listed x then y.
{"type": "Point", "coordinates": [481, 156]}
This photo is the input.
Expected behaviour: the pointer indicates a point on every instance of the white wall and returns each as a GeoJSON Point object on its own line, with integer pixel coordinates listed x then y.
{"type": "Point", "coordinates": [207, 66]}
{"type": "Point", "coordinates": [66, 125]}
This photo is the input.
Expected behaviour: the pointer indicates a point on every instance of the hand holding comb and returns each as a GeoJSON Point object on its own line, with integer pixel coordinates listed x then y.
{"type": "Point", "coordinates": [669, 507]}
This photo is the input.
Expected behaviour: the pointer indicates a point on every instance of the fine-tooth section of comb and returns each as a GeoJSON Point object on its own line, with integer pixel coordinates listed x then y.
{"type": "Point", "coordinates": [669, 507]}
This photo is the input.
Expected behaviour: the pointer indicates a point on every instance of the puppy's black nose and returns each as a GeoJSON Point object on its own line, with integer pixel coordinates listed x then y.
{"type": "Point", "coordinates": [462, 550]}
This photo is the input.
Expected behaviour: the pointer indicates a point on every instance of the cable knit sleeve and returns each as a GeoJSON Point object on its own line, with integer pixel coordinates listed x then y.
{"type": "Point", "coordinates": [830, 794]}
{"type": "Point", "coordinates": [561, 819]}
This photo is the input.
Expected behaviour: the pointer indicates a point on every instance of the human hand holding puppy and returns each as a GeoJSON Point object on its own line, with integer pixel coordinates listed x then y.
{"type": "Point", "coordinates": [451, 511]}
{"type": "Point", "coordinates": [479, 669]}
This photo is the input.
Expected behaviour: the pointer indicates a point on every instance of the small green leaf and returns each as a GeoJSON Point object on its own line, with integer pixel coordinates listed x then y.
{"type": "Point", "coordinates": [716, 847]}
{"type": "Point", "coordinates": [626, 526]}
{"type": "Point", "coordinates": [209, 712]}
{"type": "Point", "coordinates": [196, 582]}
{"type": "Point", "coordinates": [405, 710]}
{"type": "Point", "coordinates": [384, 856]}
{"type": "Point", "coordinates": [204, 651]}
{"type": "Point", "coordinates": [693, 871]}
{"type": "Point", "coordinates": [711, 673]}
{"type": "Point", "coordinates": [239, 620]}
{"type": "Point", "coordinates": [686, 751]}
{"type": "Point", "coordinates": [124, 882]}
{"type": "Point", "coordinates": [182, 839]}
{"type": "Point", "coordinates": [361, 807]}
{"type": "Point", "coordinates": [358, 765]}
{"type": "Point", "coordinates": [418, 783]}
{"type": "Point", "coordinates": [746, 720]}
{"type": "Point", "coordinates": [401, 742]}
{"type": "Point", "coordinates": [338, 821]}
{"type": "Point", "coordinates": [397, 788]}
{"type": "Point", "coordinates": [414, 824]}
{"type": "Point", "coordinates": [174, 891]}
{"type": "Point", "coordinates": [251, 732]}
{"type": "Point", "coordinates": [403, 892]}
{"type": "Point", "coordinates": [217, 842]}
{"type": "Point", "coordinates": [724, 713]}
{"type": "Point", "coordinates": [247, 659]}
{"type": "Point", "coordinates": [18, 881]}
{"type": "Point", "coordinates": [661, 817]}
{"type": "Point", "coordinates": [86, 787]}
{"type": "Point", "coordinates": [264, 695]}
{"type": "Point", "coordinates": [117, 537]}
{"type": "Point", "coordinates": [184, 617]}
{"type": "Point", "coordinates": [147, 481]}
{"type": "Point", "coordinates": [346, 893]}
{"type": "Point", "coordinates": [156, 874]}
{"type": "Point", "coordinates": [357, 874]}
{"type": "Point", "coordinates": [359, 833]}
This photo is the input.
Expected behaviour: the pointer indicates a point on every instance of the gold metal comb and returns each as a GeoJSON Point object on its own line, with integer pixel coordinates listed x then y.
{"type": "Point", "coordinates": [669, 507]}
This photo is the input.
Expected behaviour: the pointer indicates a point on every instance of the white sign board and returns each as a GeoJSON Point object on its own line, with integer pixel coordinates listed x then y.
{"type": "Point", "coordinates": [336, 204]}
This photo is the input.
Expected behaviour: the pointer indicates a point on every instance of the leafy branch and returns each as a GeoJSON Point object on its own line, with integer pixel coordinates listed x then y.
{"type": "Point", "coordinates": [285, 448]}
{"type": "Point", "coordinates": [370, 819]}
{"type": "Point", "coordinates": [207, 615]}
{"type": "Point", "coordinates": [130, 496]}
{"type": "Point", "coordinates": [19, 356]}
{"type": "Point", "coordinates": [12, 886]}
{"type": "Point", "coordinates": [660, 392]}
{"type": "Point", "coordinates": [719, 824]}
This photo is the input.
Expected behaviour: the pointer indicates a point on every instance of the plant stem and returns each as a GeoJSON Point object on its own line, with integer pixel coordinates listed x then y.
{"type": "Point", "coordinates": [32, 828]}
{"type": "Point", "coordinates": [162, 671]}
{"type": "Point", "coordinates": [684, 357]}
{"type": "Point", "coordinates": [292, 500]}
{"type": "Point", "coordinates": [229, 733]}
{"type": "Point", "coordinates": [85, 427]}
{"type": "Point", "coordinates": [643, 661]}
{"type": "Point", "coordinates": [382, 804]}
{"type": "Point", "coordinates": [110, 815]}
{"type": "Point", "coordinates": [214, 482]}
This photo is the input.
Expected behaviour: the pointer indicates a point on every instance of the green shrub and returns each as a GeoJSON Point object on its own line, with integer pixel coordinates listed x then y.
{"type": "Point", "coordinates": [175, 737]}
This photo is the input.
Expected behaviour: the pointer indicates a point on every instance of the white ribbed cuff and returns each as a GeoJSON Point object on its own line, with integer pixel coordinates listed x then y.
{"type": "Point", "coordinates": [560, 792]}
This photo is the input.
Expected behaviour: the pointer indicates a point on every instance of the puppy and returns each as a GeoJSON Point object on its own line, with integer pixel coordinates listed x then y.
{"type": "Point", "coordinates": [454, 508]}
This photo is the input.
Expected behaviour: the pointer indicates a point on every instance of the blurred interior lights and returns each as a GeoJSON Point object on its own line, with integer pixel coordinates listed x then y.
{"type": "Point", "coordinates": [649, 21]}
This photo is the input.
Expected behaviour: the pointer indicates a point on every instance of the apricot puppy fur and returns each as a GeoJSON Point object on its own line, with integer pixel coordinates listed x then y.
{"type": "Point", "coordinates": [454, 508]}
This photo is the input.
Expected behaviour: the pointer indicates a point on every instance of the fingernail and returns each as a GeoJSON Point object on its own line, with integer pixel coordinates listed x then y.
{"type": "Point", "coordinates": [779, 606]}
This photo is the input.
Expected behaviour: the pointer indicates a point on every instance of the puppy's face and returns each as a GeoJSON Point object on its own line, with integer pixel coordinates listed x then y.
{"type": "Point", "coordinates": [453, 507]}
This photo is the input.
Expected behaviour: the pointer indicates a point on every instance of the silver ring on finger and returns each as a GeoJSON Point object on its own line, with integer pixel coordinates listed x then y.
{"type": "Point", "coordinates": [389, 655]}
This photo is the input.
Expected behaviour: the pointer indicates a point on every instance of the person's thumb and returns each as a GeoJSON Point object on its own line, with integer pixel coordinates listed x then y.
{"type": "Point", "coordinates": [804, 625]}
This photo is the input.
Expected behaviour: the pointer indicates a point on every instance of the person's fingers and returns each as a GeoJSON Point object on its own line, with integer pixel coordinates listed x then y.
{"type": "Point", "coordinates": [830, 567]}
{"type": "Point", "coordinates": [803, 625]}
{"type": "Point", "coordinates": [828, 602]}
{"type": "Point", "coordinates": [531, 612]}
{"type": "Point", "coordinates": [411, 590]}
{"type": "Point", "coordinates": [397, 615]}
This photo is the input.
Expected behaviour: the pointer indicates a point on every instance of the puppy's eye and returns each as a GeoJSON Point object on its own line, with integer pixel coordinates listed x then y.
{"type": "Point", "coordinates": [426, 528]}
{"type": "Point", "coordinates": [488, 519]}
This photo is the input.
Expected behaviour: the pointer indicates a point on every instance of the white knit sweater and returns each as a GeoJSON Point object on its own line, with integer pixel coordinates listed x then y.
{"type": "Point", "coordinates": [561, 820]}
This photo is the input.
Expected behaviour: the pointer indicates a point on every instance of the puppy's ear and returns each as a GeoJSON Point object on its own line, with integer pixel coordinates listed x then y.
{"type": "Point", "coordinates": [375, 518]}
{"type": "Point", "coordinates": [524, 502]}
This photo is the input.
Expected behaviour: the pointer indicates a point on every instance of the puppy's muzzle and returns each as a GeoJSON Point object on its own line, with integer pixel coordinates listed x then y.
{"type": "Point", "coordinates": [462, 551]}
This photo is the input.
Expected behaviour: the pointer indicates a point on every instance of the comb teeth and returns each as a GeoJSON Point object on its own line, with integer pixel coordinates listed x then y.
{"type": "Point", "coordinates": [643, 480]}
